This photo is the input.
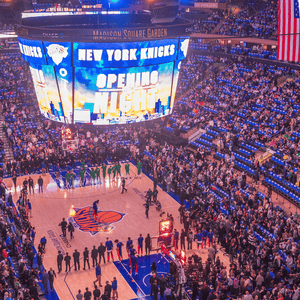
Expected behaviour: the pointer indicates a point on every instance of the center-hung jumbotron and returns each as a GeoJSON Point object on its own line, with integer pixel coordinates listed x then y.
{"type": "Point", "coordinates": [101, 66]}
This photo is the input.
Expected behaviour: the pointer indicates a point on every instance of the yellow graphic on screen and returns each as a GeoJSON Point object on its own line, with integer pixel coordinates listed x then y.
{"type": "Point", "coordinates": [47, 93]}
{"type": "Point", "coordinates": [133, 95]}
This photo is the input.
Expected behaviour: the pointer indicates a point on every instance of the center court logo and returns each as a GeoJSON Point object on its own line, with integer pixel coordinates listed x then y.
{"type": "Point", "coordinates": [57, 53]}
{"type": "Point", "coordinates": [84, 220]}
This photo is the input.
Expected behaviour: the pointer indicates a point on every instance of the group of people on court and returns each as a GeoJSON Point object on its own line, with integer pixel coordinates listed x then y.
{"type": "Point", "coordinates": [28, 184]}
{"type": "Point", "coordinates": [151, 197]}
{"type": "Point", "coordinates": [110, 291]}
{"type": "Point", "coordinates": [94, 172]}
{"type": "Point", "coordinates": [98, 254]}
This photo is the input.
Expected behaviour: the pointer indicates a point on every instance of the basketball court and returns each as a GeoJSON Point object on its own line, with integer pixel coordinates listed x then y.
{"type": "Point", "coordinates": [120, 216]}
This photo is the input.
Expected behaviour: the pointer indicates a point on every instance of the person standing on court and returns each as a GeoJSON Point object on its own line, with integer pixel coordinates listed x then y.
{"type": "Point", "coordinates": [114, 170]}
{"type": "Point", "coordinates": [45, 279]}
{"type": "Point", "coordinates": [51, 274]}
{"type": "Point", "coordinates": [39, 259]}
{"type": "Point", "coordinates": [109, 248]}
{"type": "Point", "coordinates": [59, 261]}
{"type": "Point", "coordinates": [107, 289]}
{"type": "Point", "coordinates": [30, 183]}
{"type": "Point", "coordinates": [114, 286]}
{"type": "Point", "coordinates": [63, 224]}
{"type": "Point", "coordinates": [109, 171]}
{"type": "Point", "coordinates": [96, 293]}
{"type": "Point", "coordinates": [147, 209]}
{"type": "Point", "coordinates": [71, 230]}
{"type": "Point", "coordinates": [104, 167]}
{"type": "Point", "coordinates": [86, 257]}
{"type": "Point", "coordinates": [123, 185]}
{"type": "Point", "coordinates": [162, 285]}
{"type": "Point", "coordinates": [94, 255]}
{"type": "Point", "coordinates": [72, 179]}
{"type": "Point", "coordinates": [76, 256]}
{"type": "Point", "coordinates": [67, 177]}
{"type": "Point", "coordinates": [147, 244]}
{"type": "Point", "coordinates": [79, 296]}
{"type": "Point", "coordinates": [40, 183]}
{"type": "Point", "coordinates": [67, 260]}
{"type": "Point", "coordinates": [29, 208]}
{"type": "Point", "coordinates": [140, 245]}
{"type": "Point", "coordinates": [93, 176]}
{"type": "Point", "coordinates": [119, 249]}
{"type": "Point", "coordinates": [14, 179]}
{"type": "Point", "coordinates": [127, 166]}
{"type": "Point", "coordinates": [101, 251]}
{"type": "Point", "coordinates": [30, 257]}
{"type": "Point", "coordinates": [95, 208]}
{"type": "Point", "coordinates": [98, 275]}
{"type": "Point", "coordinates": [139, 168]}
{"type": "Point", "coordinates": [153, 280]}
{"type": "Point", "coordinates": [105, 296]}
{"type": "Point", "coordinates": [87, 295]}
{"type": "Point", "coordinates": [81, 175]}
{"type": "Point", "coordinates": [128, 245]}
{"type": "Point", "coordinates": [97, 172]}
{"type": "Point", "coordinates": [32, 235]}
{"type": "Point", "coordinates": [9, 199]}
{"type": "Point", "coordinates": [133, 264]}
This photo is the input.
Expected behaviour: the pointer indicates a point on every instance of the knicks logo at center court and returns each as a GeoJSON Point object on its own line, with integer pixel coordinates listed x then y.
{"type": "Point", "coordinates": [84, 220]}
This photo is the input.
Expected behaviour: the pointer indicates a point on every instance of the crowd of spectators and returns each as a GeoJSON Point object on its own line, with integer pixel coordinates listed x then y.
{"type": "Point", "coordinates": [21, 266]}
{"type": "Point", "coordinates": [214, 1]}
{"type": "Point", "coordinates": [242, 101]}
{"type": "Point", "coordinates": [262, 243]}
{"type": "Point", "coordinates": [204, 26]}
{"type": "Point", "coordinates": [8, 43]}
{"type": "Point", "coordinates": [255, 19]}
{"type": "Point", "coordinates": [255, 51]}
{"type": "Point", "coordinates": [251, 23]}
{"type": "Point", "coordinates": [6, 26]}
{"type": "Point", "coordinates": [234, 94]}
{"type": "Point", "coordinates": [238, 91]}
{"type": "Point", "coordinates": [207, 25]}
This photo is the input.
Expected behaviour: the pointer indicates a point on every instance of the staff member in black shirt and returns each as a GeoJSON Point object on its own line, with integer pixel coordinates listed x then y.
{"type": "Point", "coordinates": [87, 295]}
{"type": "Point", "coordinates": [94, 255]}
{"type": "Point", "coordinates": [63, 224]}
{"type": "Point", "coordinates": [148, 244]}
{"type": "Point", "coordinates": [68, 261]}
{"type": "Point", "coordinates": [86, 257]}
{"type": "Point", "coordinates": [96, 293]}
{"type": "Point", "coordinates": [30, 183]}
{"type": "Point", "coordinates": [40, 182]}
{"type": "Point", "coordinates": [59, 261]}
{"type": "Point", "coordinates": [76, 256]}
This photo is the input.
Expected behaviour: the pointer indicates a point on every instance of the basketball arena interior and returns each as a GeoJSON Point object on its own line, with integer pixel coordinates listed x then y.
{"type": "Point", "coordinates": [149, 149]}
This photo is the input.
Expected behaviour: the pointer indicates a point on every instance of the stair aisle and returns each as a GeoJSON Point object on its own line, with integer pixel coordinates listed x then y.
{"type": "Point", "coordinates": [7, 147]}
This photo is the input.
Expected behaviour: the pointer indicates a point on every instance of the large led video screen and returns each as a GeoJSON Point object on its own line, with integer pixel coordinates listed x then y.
{"type": "Point", "coordinates": [105, 83]}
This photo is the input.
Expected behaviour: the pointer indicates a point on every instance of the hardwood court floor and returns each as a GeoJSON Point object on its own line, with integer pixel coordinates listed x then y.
{"type": "Point", "coordinates": [50, 207]}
